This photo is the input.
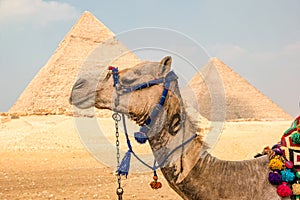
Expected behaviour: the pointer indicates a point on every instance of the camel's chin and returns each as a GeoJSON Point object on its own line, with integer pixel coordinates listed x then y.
{"type": "Point", "coordinates": [83, 106]}
{"type": "Point", "coordinates": [84, 103]}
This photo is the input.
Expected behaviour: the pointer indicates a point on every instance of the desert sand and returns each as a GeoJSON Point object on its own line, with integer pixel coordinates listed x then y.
{"type": "Point", "coordinates": [43, 157]}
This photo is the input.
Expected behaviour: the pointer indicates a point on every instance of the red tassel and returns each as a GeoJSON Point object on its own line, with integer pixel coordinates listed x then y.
{"type": "Point", "coordinates": [155, 184]}
{"type": "Point", "coordinates": [111, 68]}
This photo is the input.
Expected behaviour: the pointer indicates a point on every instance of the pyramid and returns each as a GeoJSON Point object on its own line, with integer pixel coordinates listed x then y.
{"type": "Point", "coordinates": [222, 94]}
{"type": "Point", "coordinates": [49, 91]}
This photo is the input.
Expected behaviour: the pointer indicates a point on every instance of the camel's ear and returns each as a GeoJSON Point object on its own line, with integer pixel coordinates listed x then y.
{"type": "Point", "coordinates": [165, 65]}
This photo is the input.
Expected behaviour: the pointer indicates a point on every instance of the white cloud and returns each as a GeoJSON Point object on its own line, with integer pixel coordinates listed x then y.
{"type": "Point", "coordinates": [292, 48]}
{"type": "Point", "coordinates": [227, 52]}
{"type": "Point", "coordinates": [35, 11]}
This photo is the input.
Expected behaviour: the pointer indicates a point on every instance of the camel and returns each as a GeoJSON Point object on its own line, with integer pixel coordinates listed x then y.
{"type": "Point", "coordinates": [191, 171]}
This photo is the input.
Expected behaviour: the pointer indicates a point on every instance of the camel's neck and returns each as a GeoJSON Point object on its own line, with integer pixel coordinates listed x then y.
{"type": "Point", "coordinates": [187, 156]}
{"type": "Point", "coordinates": [167, 135]}
{"type": "Point", "coordinates": [191, 168]}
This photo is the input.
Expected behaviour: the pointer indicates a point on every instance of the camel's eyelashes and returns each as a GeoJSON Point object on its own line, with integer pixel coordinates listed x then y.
{"type": "Point", "coordinates": [129, 77]}
{"type": "Point", "coordinates": [128, 81]}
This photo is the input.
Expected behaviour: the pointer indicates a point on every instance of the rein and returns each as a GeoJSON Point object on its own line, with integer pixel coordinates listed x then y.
{"type": "Point", "coordinates": [141, 135]}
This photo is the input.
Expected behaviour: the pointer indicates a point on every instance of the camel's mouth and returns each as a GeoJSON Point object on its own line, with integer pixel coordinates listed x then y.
{"type": "Point", "coordinates": [84, 102]}
{"type": "Point", "coordinates": [139, 119]}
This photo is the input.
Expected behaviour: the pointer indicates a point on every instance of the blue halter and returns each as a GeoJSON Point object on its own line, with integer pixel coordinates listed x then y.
{"type": "Point", "coordinates": [141, 136]}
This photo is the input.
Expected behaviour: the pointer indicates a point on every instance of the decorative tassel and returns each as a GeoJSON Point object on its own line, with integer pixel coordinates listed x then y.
{"type": "Point", "coordinates": [275, 178]}
{"type": "Point", "coordinates": [276, 163]}
{"type": "Point", "coordinates": [283, 190]}
{"type": "Point", "coordinates": [276, 146]}
{"type": "Point", "coordinates": [287, 175]}
{"type": "Point", "coordinates": [278, 151]}
{"type": "Point", "coordinates": [289, 164]}
{"type": "Point", "coordinates": [296, 138]}
{"type": "Point", "coordinates": [140, 137]}
{"type": "Point", "coordinates": [298, 174]}
{"type": "Point", "coordinates": [155, 184]}
{"type": "Point", "coordinates": [296, 188]}
{"type": "Point", "coordinates": [125, 164]}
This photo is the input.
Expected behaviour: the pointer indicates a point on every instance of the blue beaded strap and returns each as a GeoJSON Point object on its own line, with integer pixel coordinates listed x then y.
{"type": "Point", "coordinates": [115, 73]}
{"type": "Point", "coordinates": [170, 77]}
{"type": "Point", "coordinates": [142, 85]}
{"type": "Point", "coordinates": [124, 167]}
{"type": "Point", "coordinates": [141, 136]}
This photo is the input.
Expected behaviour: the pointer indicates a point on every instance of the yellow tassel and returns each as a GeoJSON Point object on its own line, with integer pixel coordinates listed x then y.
{"type": "Point", "coordinates": [276, 163]}
{"type": "Point", "coordinates": [296, 188]}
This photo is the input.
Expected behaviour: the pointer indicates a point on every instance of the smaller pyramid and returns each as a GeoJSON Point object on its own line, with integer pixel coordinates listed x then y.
{"type": "Point", "coordinates": [49, 91]}
{"type": "Point", "coordinates": [221, 93]}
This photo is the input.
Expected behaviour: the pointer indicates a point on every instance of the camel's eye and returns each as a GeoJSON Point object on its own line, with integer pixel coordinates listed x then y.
{"type": "Point", "coordinates": [130, 77]}
{"type": "Point", "coordinates": [128, 81]}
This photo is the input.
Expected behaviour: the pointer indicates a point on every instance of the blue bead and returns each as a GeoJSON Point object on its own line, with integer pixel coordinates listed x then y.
{"type": "Point", "coordinates": [140, 137]}
{"type": "Point", "coordinates": [148, 121]}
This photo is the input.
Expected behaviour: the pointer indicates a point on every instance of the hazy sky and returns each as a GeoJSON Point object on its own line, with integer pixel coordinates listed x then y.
{"type": "Point", "coordinates": [260, 40]}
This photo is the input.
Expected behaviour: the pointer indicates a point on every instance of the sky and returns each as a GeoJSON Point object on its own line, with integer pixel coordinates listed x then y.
{"type": "Point", "coordinates": [260, 40]}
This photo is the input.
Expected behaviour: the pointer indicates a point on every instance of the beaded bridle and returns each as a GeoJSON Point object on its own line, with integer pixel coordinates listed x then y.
{"type": "Point", "coordinates": [141, 135]}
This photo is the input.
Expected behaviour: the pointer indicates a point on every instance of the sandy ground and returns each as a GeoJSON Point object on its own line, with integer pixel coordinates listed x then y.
{"type": "Point", "coordinates": [44, 157]}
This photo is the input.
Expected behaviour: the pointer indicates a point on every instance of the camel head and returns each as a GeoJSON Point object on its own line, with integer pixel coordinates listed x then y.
{"type": "Point", "coordinates": [91, 89]}
{"type": "Point", "coordinates": [138, 104]}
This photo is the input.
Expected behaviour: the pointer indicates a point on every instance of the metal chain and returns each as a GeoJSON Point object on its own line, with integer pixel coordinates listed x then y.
{"type": "Point", "coordinates": [117, 118]}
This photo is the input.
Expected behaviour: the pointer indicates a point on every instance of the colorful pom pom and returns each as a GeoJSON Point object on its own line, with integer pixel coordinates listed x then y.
{"type": "Point", "coordinates": [155, 184]}
{"type": "Point", "coordinates": [276, 163]}
{"type": "Point", "coordinates": [275, 178]}
{"type": "Point", "coordinates": [287, 175]}
{"type": "Point", "coordinates": [296, 188]}
{"type": "Point", "coordinates": [296, 138]}
{"type": "Point", "coordinates": [283, 190]}
{"type": "Point", "coordinates": [289, 164]}
{"type": "Point", "coordinates": [298, 174]}
{"type": "Point", "coordinates": [278, 151]}
{"type": "Point", "coordinates": [276, 146]}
